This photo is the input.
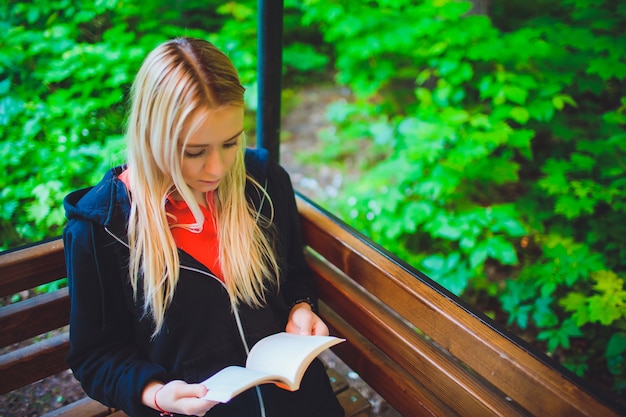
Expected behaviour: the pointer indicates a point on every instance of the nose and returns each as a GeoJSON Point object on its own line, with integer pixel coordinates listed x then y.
{"type": "Point", "coordinates": [214, 164]}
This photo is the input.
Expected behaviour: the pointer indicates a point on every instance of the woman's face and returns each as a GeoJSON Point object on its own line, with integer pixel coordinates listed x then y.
{"type": "Point", "coordinates": [211, 149]}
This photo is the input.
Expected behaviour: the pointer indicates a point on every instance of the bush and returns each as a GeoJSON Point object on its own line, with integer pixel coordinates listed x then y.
{"type": "Point", "coordinates": [65, 71]}
{"type": "Point", "coordinates": [493, 144]}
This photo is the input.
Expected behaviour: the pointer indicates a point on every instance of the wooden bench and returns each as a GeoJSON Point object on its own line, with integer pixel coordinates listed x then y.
{"type": "Point", "coordinates": [411, 341]}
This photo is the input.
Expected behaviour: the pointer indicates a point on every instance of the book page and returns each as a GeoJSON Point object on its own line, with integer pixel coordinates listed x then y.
{"type": "Point", "coordinates": [231, 381]}
{"type": "Point", "coordinates": [288, 355]}
{"type": "Point", "coordinates": [280, 358]}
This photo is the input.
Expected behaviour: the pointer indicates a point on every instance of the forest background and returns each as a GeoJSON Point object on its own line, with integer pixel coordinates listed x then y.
{"type": "Point", "coordinates": [490, 142]}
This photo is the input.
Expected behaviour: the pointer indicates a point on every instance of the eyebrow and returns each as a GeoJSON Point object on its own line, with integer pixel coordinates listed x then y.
{"type": "Point", "coordinates": [227, 140]}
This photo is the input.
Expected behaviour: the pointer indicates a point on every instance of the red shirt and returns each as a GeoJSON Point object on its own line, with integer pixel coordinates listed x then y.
{"type": "Point", "coordinates": [202, 245]}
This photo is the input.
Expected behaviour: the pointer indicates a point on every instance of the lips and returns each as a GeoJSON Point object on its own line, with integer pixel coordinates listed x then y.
{"type": "Point", "coordinates": [210, 183]}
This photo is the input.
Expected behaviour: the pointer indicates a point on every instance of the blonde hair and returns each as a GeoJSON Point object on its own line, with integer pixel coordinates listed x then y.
{"type": "Point", "coordinates": [177, 80]}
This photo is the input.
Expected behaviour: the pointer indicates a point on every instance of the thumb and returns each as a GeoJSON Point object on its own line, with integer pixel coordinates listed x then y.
{"type": "Point", "coordinates": [193, 390]}
{"type": "Point", "coordinates": [306, 331]}
{"type": "Point", "coordinates": [320, 328]}
{"type": "Point", "coordinates": [305, 324]}
{"type": "Point", "coordinates": [181, 389]}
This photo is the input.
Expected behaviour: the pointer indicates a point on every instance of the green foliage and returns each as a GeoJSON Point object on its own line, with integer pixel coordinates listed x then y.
{"type": "Point", "coordinates": [606, 306]}
{"type": "Point", "coordinates": [65, 71]}
{"type": "Point", "coordinates": [492, 144]}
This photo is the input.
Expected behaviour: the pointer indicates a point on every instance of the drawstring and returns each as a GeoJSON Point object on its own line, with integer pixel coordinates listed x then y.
{"type": "Point", "coordinates": [97, 261]}
{"type": "Point", "coordinates": [258, 212]}
{"type": "Point", "coordinates": [247, 348]}
{"type": "Point", "coordinates": [239, 325]}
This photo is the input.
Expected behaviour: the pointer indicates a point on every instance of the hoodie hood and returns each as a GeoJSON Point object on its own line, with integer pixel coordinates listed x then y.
{"type": "Point", "coordinates": [104, 204]}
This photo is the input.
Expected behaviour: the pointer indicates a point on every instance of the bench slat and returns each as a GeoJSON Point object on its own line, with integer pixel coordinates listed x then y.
{"type": "Point", "coordinates": [509, 365]}
{"type": "Point", "coordinates": [444, 377]}
{"type": "Point", "coordinates": [32, 266]}
{"type": "Point", "coordinates": [34, 316]}
{"type": "Point", "coordinates": [32, 363]}
{"type": "Point", "coordinates": [398, 388]}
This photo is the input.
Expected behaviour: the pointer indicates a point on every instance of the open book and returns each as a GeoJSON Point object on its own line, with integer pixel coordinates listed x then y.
{"type": "Point", "coordinates": [280, 358]}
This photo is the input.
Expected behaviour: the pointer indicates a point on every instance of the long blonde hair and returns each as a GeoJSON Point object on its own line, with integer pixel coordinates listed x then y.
{"type": "Point", "coordinates": [178, 79]}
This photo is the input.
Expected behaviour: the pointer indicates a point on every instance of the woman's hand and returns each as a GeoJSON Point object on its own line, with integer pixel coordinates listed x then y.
{"type": "Point", "coordinates": [303, 321]}
{"type": "Point", "coordinates": [177, 397]}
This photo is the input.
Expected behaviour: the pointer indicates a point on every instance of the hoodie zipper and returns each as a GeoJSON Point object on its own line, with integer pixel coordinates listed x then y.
{"type": "Point", "coordinates": [242, 337]}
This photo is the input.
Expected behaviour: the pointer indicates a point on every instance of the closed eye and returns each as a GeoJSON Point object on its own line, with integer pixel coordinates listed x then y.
{"type": "Point", "coordinates": [195, 154]}
{"type": "Point", "coordinates": [231, 144]}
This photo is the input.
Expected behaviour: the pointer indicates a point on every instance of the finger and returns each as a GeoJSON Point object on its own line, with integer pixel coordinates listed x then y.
{"type": "Point", "coordinates": [305, 321]}
{"type": "Point", "coordinates": [305, 328]}
{"type": "Point", "coordinates": [184, 390]}
{"type": "Point", "coordinates": [297, 323]}
{"type": "Point", "coordinates": [197, 390]}
{"type": "Point", "coordinates": [194, 406]}
{"type": "Point", "coordinates": [209, 405]}
{"type": "Point", "coordinates": [320, 328]}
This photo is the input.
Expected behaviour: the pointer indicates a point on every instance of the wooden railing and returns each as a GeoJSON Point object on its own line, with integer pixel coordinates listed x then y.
{"type": "Point", "coordinates": [410, 340]}
{"type": "Point", "coordinates": [419, 346]}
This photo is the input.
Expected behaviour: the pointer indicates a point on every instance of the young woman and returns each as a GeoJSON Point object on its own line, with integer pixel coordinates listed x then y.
{"type": "Point", "coordinates": [181, 260]}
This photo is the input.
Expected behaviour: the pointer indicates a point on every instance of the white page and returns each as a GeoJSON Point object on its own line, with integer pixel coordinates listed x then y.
{"type": "Point", "coordinates": [283, 353]}
{"type": "Point", "coordinates": [228, 382]}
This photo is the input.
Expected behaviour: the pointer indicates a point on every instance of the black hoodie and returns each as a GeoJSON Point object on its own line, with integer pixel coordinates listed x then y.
{"type": "Point", "coordinates": [112, 353]}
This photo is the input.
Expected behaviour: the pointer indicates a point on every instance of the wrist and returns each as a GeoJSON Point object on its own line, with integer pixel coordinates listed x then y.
{"type": "Point", "coordinates": [149, 397]}
{"type": "Point", "coordinates": [163, 412]}
{"type": "Point", "coordinates": [303, 301]}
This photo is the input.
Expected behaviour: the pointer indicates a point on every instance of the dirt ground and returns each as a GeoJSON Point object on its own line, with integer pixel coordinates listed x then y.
{"type": "Point", "coordinates": [300, 128]}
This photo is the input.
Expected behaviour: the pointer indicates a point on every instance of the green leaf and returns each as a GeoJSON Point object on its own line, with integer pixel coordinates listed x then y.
{"type": "Point", "coordinates": [479, 255]}
{"type": "Point", "coordinates": [442, 226]}
{"type": "Point", "coordinates": [37, 211]}
{"type": "Point", "coordinates": [418, 212]}
{"type": "Point", "coordinates": [521, 140]}
{"type": "Point", "coordinates": [303, 57]}
{"type": "Point", "coordinates": [541, 110]}
{"type": "Point", "coordinates": [434, 263]}
{"type": "Point", "coordinates": [542, 313]}
{"type": "Point", "coordinates": [607, 68]}
{"type": "Point", "coordinates": [549, 287]}
{"type": "Point", "coordinates": [603, 312]}
{"type": "Point", "coordinates": [560, 336]}
{"type": "Point", "coordinates": [616, 345]}
{"type": "Point", "coordinates": [520, 114]}
{"type": "Point", "coordinates": [562, 99]}
{"type": "Point", "coordinates": [607, 282]}
{"type": "Point", "coordinates": [569, 206]}
{"type": "Point", "coordinates": [574, 301]}
{"type": "Point", "coordinates": [423, 76]}
{"type": "Point", "coordinates": [583, 162]}
{"type": "Point", "coordinates": [502, 250]}
{"type": "Point", "coordinates": [515, 94]}
{"type": "Point", "coordinates": [455, 279]}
